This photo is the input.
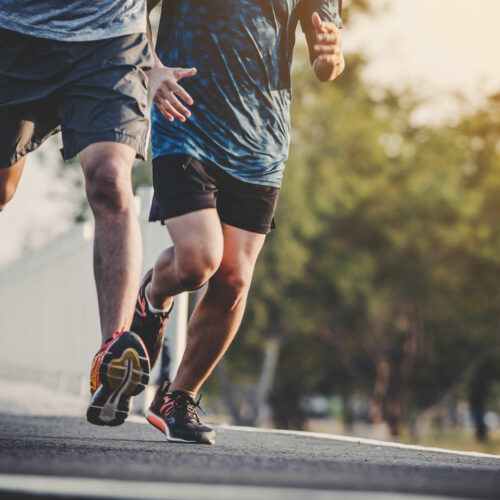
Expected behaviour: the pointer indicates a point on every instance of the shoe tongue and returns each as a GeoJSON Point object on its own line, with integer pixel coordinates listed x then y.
{"type": "Point", "coordinates": [183, 395]}
{"type": "Point", "coordinates": [164, 387]}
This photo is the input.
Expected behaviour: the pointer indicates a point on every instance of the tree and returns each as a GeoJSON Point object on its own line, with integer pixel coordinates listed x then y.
{"type": "Point", "coordinates": [383, 276]}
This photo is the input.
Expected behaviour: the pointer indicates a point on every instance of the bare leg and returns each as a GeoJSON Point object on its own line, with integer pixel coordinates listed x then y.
{"type": "Point", "coordinates": [117, 246]}
{"type": "Point", "coordinates": [193, 259]}
{"type": "Point", "coordinates": [9, 179]}
{"type": "Point", "coordinates": [216, 319]}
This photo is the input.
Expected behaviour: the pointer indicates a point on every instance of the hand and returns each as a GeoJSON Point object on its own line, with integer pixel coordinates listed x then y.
{"type": "Point", "coordinates": [164, 88]}
{"type": "Point", "coordinates": [329, 61]}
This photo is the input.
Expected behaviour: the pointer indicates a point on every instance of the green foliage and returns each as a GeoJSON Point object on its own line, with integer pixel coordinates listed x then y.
{"type": "Point", "coordinates": [383, 277]}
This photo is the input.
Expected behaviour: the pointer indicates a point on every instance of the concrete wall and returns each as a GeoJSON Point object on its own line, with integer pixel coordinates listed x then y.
{"type": "Point", "coordinates": [49, 324]}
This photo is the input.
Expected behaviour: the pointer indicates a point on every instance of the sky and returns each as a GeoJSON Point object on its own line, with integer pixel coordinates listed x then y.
{"type": "Point", "coordinates": [435, 46]}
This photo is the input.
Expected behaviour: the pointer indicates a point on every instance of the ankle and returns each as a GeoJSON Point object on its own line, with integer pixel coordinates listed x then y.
{"type": "Point", "coordinates": [173, 387]}
{"type": "Point", "coordinates": [158, 303]}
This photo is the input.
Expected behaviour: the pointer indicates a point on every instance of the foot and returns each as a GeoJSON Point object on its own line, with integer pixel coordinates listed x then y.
{"type": "Point", "coordinates": [120, 370]}
{"type": "Point", "coordinates": [176, 415]}
{"type": "Point", "coordinates": [148, 325]}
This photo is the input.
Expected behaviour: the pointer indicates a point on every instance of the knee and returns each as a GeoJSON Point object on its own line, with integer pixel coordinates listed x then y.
{"type": "Point", "coordinates": [108, 186]}
{"type": "Point", "coordinates": [198, 271]}
{"type": "Point", "coordinates": [232, 286]}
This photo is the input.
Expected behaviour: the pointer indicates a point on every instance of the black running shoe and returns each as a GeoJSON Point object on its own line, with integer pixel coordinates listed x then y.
{"type": "Point", "coordinates": [176, 415]}
{"type": "Point", "coordinates": [149, 326]}
{"type": "Point", "coordinates": [119, 371]}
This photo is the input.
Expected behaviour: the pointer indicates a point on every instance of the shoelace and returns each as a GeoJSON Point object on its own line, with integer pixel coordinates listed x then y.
{"type": "Point", "coordinates": [189, 406]}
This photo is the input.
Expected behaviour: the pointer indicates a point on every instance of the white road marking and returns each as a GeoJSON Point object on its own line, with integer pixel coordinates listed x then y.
{"type": "Point", "coordinates": [337, 437]}
{"type": "Point", "coordinates": [352, 439]}
{"type": "Point", "coordinates": [133, 490]}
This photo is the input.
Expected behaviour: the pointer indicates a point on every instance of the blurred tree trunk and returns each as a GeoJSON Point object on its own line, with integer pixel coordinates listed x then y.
{"type": "Point", "coordinates": [247, 406]}
{"type": "Point", "coordinates": [479, 389]}
{"type": "Point", "coordinates": [409, 323]}
{"type": "Point", "coordinates": [448, 397]}
{"type": "Point", "coordinates": [376, 404]}
{"type": "Point", "coordinates": [392, 387]}
{"type": "Point", "coordinates": [267, 377]}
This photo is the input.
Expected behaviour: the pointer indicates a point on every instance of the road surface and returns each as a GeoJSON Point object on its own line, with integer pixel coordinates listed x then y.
{"type": "Point", "coordinates": [40, 454]}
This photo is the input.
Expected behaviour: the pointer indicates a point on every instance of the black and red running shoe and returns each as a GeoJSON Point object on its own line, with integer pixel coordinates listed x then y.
{"type": "Point", "coordinates": [148, 325]}
{"type": "Point", "coordinates": [176, 415]}
{"type": "Point", "coordinates": [119, 371]}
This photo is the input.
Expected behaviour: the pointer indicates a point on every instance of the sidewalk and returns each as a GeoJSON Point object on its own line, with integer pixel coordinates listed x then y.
{"type": "Point", "coordinates": [19, 397]}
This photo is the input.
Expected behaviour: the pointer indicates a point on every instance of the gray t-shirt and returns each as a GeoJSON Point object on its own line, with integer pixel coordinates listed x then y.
{"type": "Point", "coordinates": [74, 20]}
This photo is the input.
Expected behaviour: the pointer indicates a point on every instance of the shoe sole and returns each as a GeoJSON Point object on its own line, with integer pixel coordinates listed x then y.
{"type": "Point", "coordinates": [124, 372]}
{"type": "Point", "coordinates": [158, 423]}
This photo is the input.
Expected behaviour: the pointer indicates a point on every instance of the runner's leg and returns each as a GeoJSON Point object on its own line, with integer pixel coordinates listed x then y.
{"type": "Point", "coordinates": [117, 245]}
{"type": "Point", "coordinates": [194, 258]}
{"type": "Point", "coordinates": [9, 179]}
{"type": "Point", "coordinates": [218, 315]}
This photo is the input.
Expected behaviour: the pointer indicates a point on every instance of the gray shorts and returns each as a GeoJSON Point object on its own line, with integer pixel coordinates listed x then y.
{"type": "Point", "coordinates": [91, 91]}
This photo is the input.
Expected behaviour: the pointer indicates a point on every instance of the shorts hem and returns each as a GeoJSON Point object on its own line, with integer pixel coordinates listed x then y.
{"type": "Point", "coordinates": [246, 226]}
{"type": "Point", "coordinates": [252, 228]}
{"type": "Point", "coordinates": [163, 215]}
{"type": "Point", "coordinates": [86, 139]}
{"type": "Point", "coordinates": [29, 148]}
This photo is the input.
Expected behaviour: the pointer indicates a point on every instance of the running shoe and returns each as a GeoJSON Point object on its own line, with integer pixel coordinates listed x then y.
{"type": "Point", "coordinates": [148, 325]}
{"type": "Point", "coordinates": [176, 415]}
{"type": "Point", "coordinates": [119, 371]}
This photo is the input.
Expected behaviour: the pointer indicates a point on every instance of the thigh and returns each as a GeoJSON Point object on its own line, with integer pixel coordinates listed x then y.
{"type": "Point", "coordinates": [9, 179]}
{"type": "Point", "coordinates": [105, 95]}
{"type": "Point", "coordinates": [241, 249]}
{"type": "Point", "coordinates": [197, 238]}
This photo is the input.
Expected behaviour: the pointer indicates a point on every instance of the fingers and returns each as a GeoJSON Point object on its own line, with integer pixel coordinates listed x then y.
{"type": "Point", "coordinates": [166, 88]}
{"type": "Point", "coordinates": [317, 22]}
{"type": "Point", "coordinates": [328, 49]}
{"type": "Point", "coordinates": [331, 60]}
{"type": "Point", "coordinates": [330, 41]}
{"type": "Point", "coordinates": [177, 89]}
{"type": "Point", "coordinates": [164, 112]}
{"type": "Point", "coordinates": [329, 38]}
{"type": "Point", "coordinates": [170, 106]}
{"type": "Point", "coordinates": [184, 72]}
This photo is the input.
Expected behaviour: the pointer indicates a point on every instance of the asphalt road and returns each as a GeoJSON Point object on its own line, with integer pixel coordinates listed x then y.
{"type": "Point", "coordinates": [70, 447]}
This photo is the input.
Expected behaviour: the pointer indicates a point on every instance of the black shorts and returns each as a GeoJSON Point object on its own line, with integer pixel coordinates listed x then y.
{"type": "Point", "coordinates": [94, 91]}
{"type": "Point", "coordinates": [183, 184]}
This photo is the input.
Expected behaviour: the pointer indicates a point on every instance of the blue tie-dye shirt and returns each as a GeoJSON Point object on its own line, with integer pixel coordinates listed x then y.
{"type": "Point", "coordinates": [243, 52]}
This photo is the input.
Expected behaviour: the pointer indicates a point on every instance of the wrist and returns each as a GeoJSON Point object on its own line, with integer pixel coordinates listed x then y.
{"type": "Point", "coordinates": [157, 65]}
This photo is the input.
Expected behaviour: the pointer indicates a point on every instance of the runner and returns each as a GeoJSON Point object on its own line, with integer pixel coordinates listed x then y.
{"type": "Point", "coordinates": [217, 169]}
{"type": "Point", "coordinates": [80, 67]}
